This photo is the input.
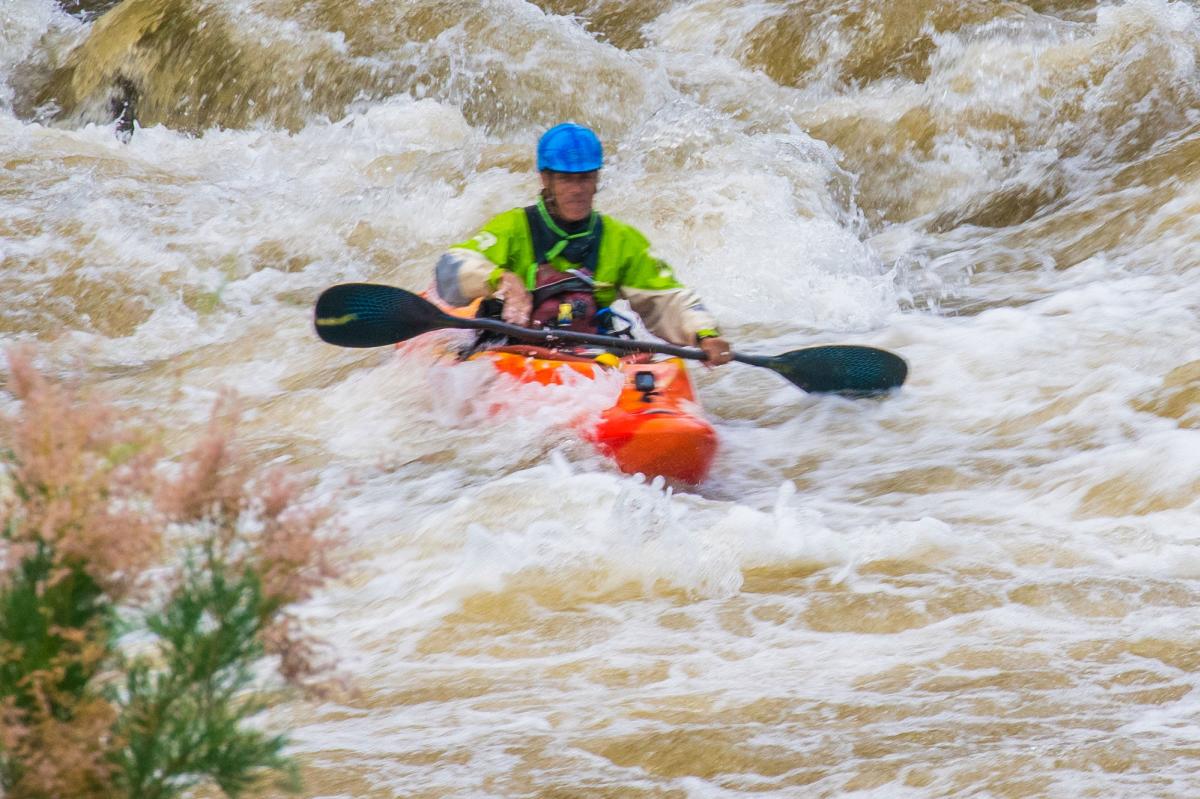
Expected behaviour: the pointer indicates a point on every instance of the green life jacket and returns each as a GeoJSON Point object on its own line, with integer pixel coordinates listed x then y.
{"type": "Point", "coordinates": [565, 299]}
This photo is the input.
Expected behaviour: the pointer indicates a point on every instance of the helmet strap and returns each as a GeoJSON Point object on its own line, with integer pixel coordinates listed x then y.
{"type": "Point", "coordinates": [547, 201]}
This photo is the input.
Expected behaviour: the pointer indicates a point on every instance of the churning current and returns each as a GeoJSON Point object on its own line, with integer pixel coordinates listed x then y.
{"type": "Point", "coordinates": [981, 585]}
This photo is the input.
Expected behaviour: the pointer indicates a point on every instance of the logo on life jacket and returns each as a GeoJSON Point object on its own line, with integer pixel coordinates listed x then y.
{"type": "Point", "coordinates": [485, 241]}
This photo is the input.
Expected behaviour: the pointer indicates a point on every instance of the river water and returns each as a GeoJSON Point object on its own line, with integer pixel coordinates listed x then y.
{"type": "Point", "coordinates": [984, 585]}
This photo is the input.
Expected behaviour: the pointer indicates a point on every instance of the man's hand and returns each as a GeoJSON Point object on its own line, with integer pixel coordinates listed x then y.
{"type": "Point", "coordinates": [518, 302]}
{"type": "Point", "coordinates": [717, 349]}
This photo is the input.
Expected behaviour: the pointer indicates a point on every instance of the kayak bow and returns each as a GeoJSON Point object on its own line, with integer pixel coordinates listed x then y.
{"type": "Point", "coordinates": [655, 427]}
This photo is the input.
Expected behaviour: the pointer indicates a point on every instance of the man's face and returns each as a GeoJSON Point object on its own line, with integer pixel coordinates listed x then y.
{"type": "Point", "coordinates": [572, 193]}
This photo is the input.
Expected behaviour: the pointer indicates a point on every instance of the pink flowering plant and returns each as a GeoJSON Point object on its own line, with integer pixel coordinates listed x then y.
{"type": "Point", "coordinates": [139, 596]}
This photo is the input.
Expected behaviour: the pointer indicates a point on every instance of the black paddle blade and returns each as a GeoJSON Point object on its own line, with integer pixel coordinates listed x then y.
{"type": "Point", "coordinates": [842, 369]}
{"type": "Point", "coordinates": [373, 315]}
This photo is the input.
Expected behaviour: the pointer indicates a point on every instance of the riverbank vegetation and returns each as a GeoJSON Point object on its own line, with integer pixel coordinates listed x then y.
{"type": "Point", "coordinates": [147, 601]}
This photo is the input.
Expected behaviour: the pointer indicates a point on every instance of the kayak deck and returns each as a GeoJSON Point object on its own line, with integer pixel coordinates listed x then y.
{"type": "Point", "coordinates": [654, 428]}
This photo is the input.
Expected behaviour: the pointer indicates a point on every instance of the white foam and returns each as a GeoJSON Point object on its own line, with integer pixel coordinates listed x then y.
{"type": "Point", "coordinates": [1021, 500]}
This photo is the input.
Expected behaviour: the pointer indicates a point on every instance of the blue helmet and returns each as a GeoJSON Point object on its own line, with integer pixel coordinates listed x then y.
{"type": "Point", "coordinates": [569, 148]}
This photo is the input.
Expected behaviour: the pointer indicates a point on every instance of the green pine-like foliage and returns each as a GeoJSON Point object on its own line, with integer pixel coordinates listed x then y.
{"type": "Point", "coordinates": [44, 667]}
{"type": "Point", "coordinates": [131, 668]}
{"type": "Point", "coordinates": [183, 721]}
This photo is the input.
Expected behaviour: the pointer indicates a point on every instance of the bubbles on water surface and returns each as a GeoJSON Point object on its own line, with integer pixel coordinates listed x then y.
{"type": "Point", "coordinates": [980, 584]}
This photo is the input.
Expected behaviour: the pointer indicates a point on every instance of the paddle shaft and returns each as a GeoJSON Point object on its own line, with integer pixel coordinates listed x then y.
{"type": "Point", "coordinates": [371, 315]}
{"type": "Point", "coordinates": [552, 336]}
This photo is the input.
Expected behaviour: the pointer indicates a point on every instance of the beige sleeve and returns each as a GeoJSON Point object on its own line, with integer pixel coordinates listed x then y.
{"type": "Point", "coordinates": [462, 276]}
{"type": "Point", "coordinates": [676, 315]}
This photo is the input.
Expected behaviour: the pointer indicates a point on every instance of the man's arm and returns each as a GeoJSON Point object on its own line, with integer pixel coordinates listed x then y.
{"type": "Point", "coordinates": [473, 268]}
{"type": "Point", "coordinates": [669, 309]}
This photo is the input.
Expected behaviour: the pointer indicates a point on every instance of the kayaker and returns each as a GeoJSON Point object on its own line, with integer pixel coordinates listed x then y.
{"type": "Point", "coordinates": [560, 263]}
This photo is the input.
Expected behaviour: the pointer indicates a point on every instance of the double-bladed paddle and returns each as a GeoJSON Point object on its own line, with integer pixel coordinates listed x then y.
{"type": "Point", "coordinates": [374, 315]}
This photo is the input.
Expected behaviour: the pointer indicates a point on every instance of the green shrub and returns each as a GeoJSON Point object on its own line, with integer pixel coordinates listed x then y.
{"type": "Point", "coordinates": [120, 674]}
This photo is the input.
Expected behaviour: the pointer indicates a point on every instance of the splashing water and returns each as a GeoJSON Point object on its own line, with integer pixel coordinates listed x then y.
{"type": "Point", "coordinates": [979, 586]}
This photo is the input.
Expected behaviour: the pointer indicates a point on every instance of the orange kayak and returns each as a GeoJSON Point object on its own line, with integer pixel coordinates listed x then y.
{"type": "Point", "coordinates": [655, 427]}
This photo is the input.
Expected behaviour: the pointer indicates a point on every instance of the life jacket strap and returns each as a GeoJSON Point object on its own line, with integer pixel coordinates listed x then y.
{"type": "Point", "coordinates": [549, 240]}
